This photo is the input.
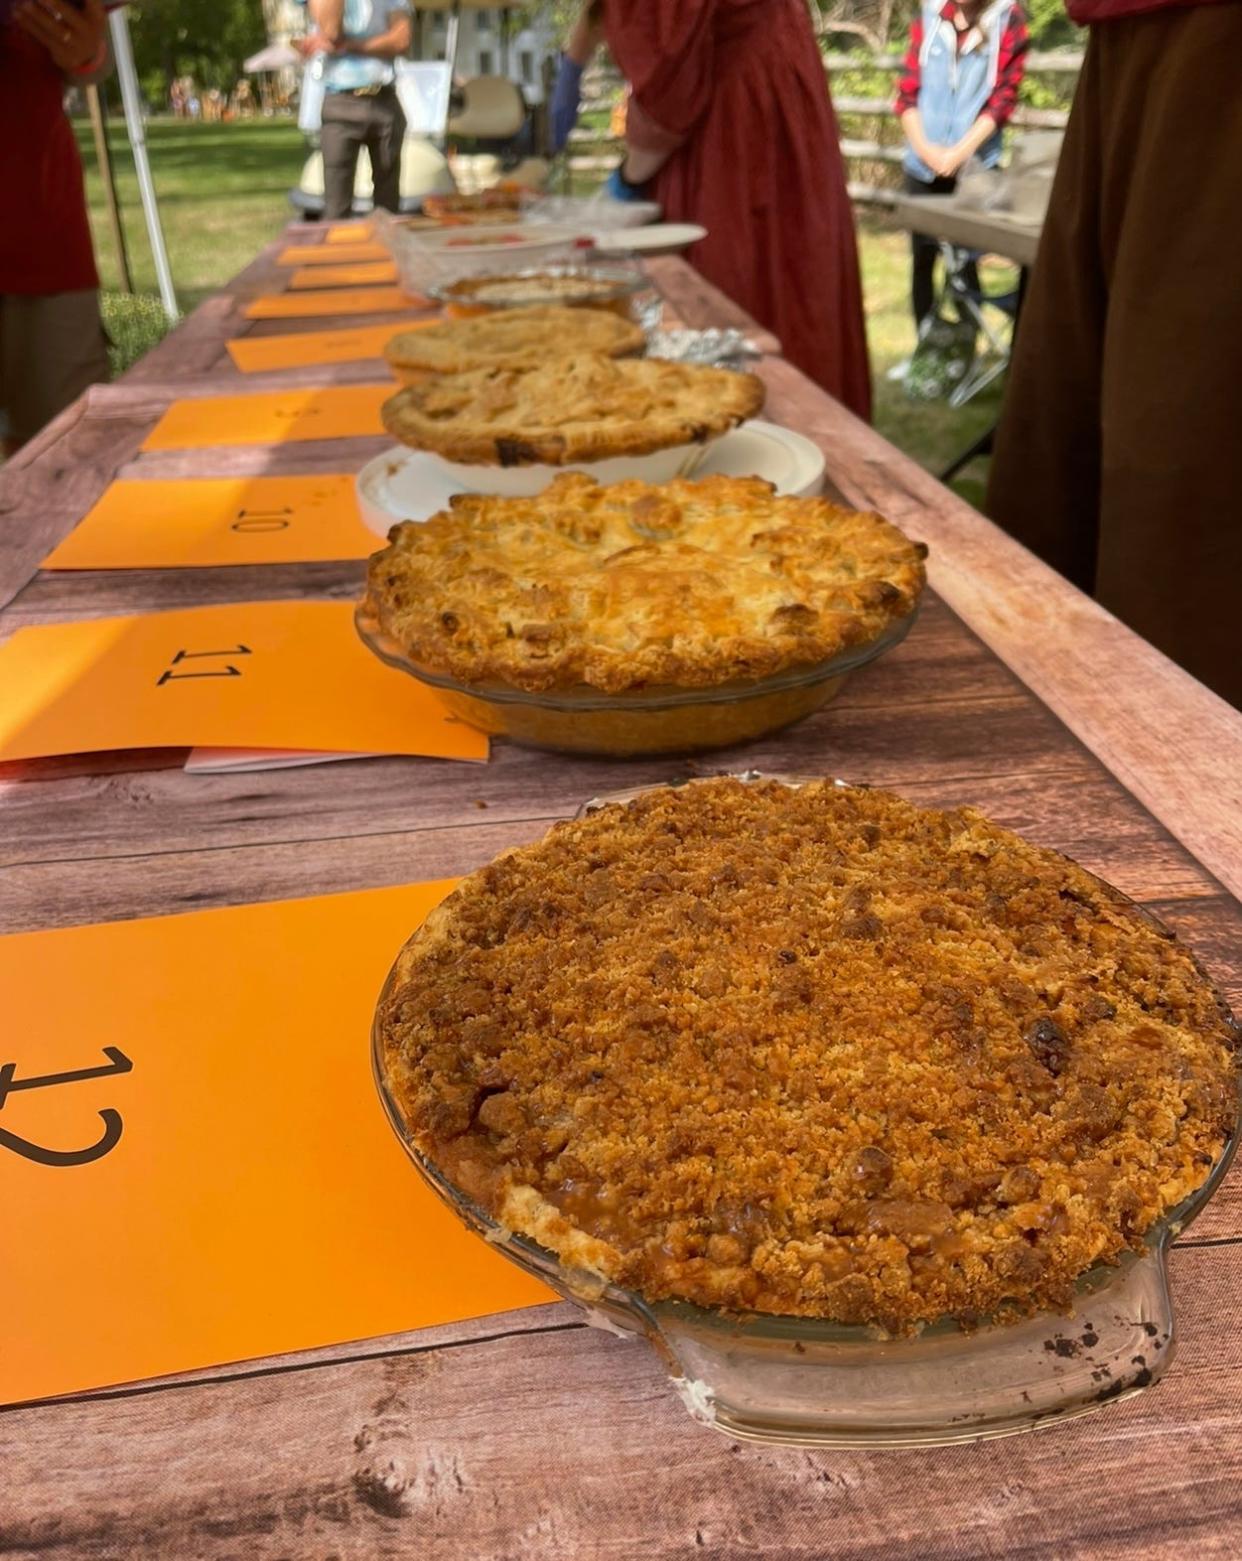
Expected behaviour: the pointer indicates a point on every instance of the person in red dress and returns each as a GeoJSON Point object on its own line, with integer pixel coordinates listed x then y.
{"type": "Point", "coordinates": [731, 125]}
{"type": "Point", "coordinates": [52, 343]}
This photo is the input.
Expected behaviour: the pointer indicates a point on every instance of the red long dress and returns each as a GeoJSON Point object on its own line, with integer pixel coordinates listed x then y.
{"type": "Point", "coordinates": [738, 88]}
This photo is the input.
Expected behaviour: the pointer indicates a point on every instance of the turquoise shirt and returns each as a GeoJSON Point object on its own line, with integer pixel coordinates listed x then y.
{"type": "Point", "coordinates": [362, 19]}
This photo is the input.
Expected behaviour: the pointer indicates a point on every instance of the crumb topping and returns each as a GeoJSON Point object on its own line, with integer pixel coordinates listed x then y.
{"type": "Point", "coordinates": [814, 1052]}
{"type": "Point", "coordinates": [635, 585]}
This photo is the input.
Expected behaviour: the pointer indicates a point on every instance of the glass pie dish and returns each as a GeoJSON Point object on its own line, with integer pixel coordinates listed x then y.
{"type": "Point", "coordinates": [812, 1382]}
{"type": "Point", "coordinates": [615, 287]}
{"type": "Point", "coordinates": [645, 721]}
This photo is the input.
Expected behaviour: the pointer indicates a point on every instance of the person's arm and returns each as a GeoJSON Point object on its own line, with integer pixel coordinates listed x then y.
{"type": "Point", "coordinates": [585, 36]}
{"type": "Point", "coordinates": [936, 157]}
{"type": "Point", "coordinates": [647, 147]}
{"type": "Point", "coordinates": [384, 46]}
{"type": "Point", "coordinates": [329, 19]}
{"type": "Point", "coordinates": [907, 104]}
{"type": "Point", "coordinates": [666, 50]}
{"type": "Point", "coordinates": [1010, 69]}
{"type": "Point", "coordinates": [955, 157]}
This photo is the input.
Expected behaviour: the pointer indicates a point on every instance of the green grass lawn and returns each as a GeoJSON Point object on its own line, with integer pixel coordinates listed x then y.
{"type": "Point", "coordinates": [223, 194]}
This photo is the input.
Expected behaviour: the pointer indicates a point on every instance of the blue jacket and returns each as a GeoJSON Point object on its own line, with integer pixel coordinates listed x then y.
{"type": "Point", "coordinates": [954, 88]}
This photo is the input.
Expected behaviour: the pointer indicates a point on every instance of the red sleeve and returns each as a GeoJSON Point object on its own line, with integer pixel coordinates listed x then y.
{"type": "Point", "coordinates": [664, 49]}
{"type": "Point", "coordinates": [908, 82]}
{"type": "Point", "coordinates": [1010, 68]}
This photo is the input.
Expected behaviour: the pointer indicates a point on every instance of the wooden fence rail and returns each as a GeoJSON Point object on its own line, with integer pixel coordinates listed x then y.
{"type": "Point", "coordinates": [592, 152]}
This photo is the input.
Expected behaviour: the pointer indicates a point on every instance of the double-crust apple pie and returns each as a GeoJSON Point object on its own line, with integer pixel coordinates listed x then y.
{"type": "Point", "coordinates": [512, 339]}
{"type": "Point", "coordinates": [810, 1051]}
{"type": "Point", "coordinates": [634, 585]}
{"type": "Point", "coordinates": [575, 286]}
{"type": "Point", "coordinates": [581, 408]}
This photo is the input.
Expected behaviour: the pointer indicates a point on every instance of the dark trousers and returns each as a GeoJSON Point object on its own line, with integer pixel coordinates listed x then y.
{"type": "Point", "coordinates": [1118, 457]}
{"type": "Point", "coordinates": [349, 123]}
{"type": "Point", "coordinates": [924, 252]}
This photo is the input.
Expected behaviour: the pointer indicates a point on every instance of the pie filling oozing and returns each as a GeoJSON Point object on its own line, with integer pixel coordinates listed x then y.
{"type": "Point", "coordinates": [634, 585]}
{"type": "Point", "coordinates": [810, 1051]}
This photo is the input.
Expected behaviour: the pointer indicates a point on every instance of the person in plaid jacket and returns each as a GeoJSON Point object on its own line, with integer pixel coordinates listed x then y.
{"type": "Point", "coordinates": [963, 67]}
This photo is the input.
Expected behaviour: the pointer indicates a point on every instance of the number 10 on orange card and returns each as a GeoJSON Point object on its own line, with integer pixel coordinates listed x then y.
{"type": "Point", "coordinates": [208, 521]}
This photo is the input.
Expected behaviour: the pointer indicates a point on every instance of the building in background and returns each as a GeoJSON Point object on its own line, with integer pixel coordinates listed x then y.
{"type": "Point", "coordinates": [488, 44]}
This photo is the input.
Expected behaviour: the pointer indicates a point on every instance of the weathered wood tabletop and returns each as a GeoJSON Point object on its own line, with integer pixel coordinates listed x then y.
{"type": "Point", "coordinates": [529, 1434]}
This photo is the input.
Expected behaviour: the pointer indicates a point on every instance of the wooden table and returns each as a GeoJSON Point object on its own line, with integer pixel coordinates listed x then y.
{"type": "Point", "coordinates": [529, 1434]}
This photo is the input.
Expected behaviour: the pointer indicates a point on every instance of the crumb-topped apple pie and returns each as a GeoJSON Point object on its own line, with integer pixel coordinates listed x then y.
{"type": "Point", "coordinates": [630, 585]}
{"type": "Point", "coordinates": [512, 339]}
{"type": "Point", "coordinates": [581, 408]}
{"type": "Point", "coordinates": [812, 1051]}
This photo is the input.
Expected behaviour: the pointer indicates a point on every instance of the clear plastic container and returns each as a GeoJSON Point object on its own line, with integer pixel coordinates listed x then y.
{"type": "Point", "coordinates": [809, 1382]}
{"type": "Point", "coordinates": [626, 289]}
{"type": "Point", "coordinates": [430, 260]}
{"type": "Point", "coordinates": [645, 721]}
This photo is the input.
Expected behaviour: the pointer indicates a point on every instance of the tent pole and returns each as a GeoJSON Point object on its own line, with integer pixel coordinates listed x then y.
{"type": "Point", "coordinates": [103, 156]}
{"type": "Point", "coordinates": [450, 40]}
{"type": "Point", "coordinates": [123, 53]}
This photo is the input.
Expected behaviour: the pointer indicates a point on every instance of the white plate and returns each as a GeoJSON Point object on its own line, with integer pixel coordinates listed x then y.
{"type": "Point", "coordinates": [406, 484]}
{"type": "Point", "coordinates": [524, 482]}
{"type": "Point", "coordinates": [659, 238]}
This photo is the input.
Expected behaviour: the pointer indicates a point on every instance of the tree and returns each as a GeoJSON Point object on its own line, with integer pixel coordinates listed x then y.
{"type": "Point", "coordinates": [206, 39]}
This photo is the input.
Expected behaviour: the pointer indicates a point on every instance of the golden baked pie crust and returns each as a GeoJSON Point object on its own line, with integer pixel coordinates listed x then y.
{"type": "Point", "coordinates": [573, 289]}
{"type": "Point", "coordinates": [630, 585]}
{"type": "Point", "coordinates": [513, 339]}
{"type": "Point", "coordinates": [580, 408]}
{"type": "Point", "coordinates": [816, 1053]}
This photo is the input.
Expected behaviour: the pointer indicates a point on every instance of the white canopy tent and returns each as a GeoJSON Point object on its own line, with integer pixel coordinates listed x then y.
{"type": "Point", "coordinates": [277, 56]}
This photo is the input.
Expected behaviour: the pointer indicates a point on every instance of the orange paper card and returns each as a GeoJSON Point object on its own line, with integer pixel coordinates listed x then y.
{"type": "Point", "coordinates": [257, 354]}
{"type": "Point", "coordinates": [245, 675]}
{"type": "Point", "coordinates": [218, 520]}
{"type": "Point", "coordinates": [348, 233]}
{"type": "Point", "coordinates": [358, 275]}
{"type": "Point", "coordinates": [271, 417]}
{"type": "Point", "coordinates": [331, 300]}
{"type": "Point", "coordinates": [329, 254]}
{"type": "Point", "coordinates": [195, 1167]}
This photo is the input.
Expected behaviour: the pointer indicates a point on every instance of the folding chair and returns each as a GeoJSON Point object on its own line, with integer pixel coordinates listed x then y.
{"type": "Point", "coordinates": [993, 315]}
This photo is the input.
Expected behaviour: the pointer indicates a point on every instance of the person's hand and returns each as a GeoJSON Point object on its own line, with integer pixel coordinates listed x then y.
{"type": "Point", "coordinates": [944, 161]}
{"type": "Point", "coordinates": [619, 190]}
{"type": "Point", "coordinates": [313, 43]}
{"type": "Point", "coordinates": [73, 38]}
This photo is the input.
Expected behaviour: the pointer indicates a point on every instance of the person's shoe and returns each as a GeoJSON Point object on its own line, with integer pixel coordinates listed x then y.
{"type": "Point", "coordinates": [898, 371]}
